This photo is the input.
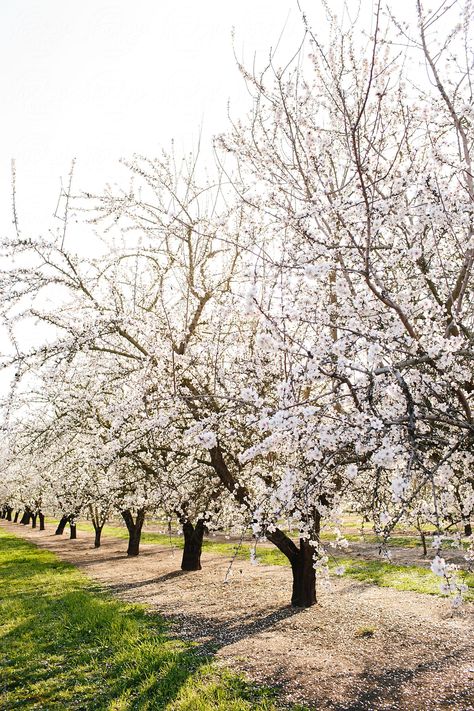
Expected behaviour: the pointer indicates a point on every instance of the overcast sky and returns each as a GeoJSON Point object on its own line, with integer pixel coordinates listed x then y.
{"type": "Point", "coordinates": [101, 79]}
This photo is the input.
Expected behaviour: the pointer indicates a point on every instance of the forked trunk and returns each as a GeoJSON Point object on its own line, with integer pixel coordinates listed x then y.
{"type": "Point", "coordinates": [193, 536]}
{"type": "Point", "coordinates": [134, 530]}
{"type": "Point", "coordinates": [302, 567]}
{"type": "Point", "coordinates": [41, 518]}
{"type": "Point", "coordinates": [61, 526]}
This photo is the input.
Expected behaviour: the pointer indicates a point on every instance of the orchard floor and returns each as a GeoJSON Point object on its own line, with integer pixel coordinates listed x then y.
{"type": "Point", "coordinates": [361, 648]}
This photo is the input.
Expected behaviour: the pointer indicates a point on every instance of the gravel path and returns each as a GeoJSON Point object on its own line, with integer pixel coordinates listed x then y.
{"type": "Point", "coordinates": [418, 655]}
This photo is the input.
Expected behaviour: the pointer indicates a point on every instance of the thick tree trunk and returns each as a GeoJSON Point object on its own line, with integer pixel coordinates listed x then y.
{"type": "Point", "coordinates": [134, 530]}
{"type": "Point", "coordinates": [193, 536]}
{"type": "Point", "coordinates": [41, 518]}
{"type": "Point", "coordinates": [304, 577]}
{"type": "Point", "coordinates": [15, 520]}
{"type": "Point", "coordinates": [9, 514]}
{"type": "Point", "coordinates": [72, 531]}
{"type": "Point", "coordinates": [61, 526]}
{"type": "Point", "coordinates": [98, 533]}
{"type": "Point", "coordinates": [33, 520]}
{"type": "Point", "coordinates": [302, 566]}
{"type": "Point", "coordinates": [468, 529]}
{"type": "Point", "coordinates": [25, 519]}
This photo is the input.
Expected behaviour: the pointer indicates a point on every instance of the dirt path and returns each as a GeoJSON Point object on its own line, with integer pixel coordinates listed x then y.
{"type": "Point", "coordinates": [420, 657]}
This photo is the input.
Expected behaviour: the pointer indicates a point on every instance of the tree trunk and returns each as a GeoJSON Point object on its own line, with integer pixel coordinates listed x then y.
{"type": "Point", "coordinates": [304, 574]}
{"type": "Point", "coordinates": [61, 526]}
{"type": "Point", "coordinates": [193, 536]}
{"type": "Point", "coordinates": [98, 533]}
{"type": "Point", "coordinates": [134, 530]}
{"type": "Point", "coordinates": [423, 543]}
{"type": "Point", "coordinates": [15, 520]}
{"type": "Point", "coordinates": [33, 520]}
{"type": "Point", "coordinates": [25, 519]}
{"type": "Point", "coordinates": [72, 531]}
{"type": "Point", "coordinates": [41, 518]}
{"type": "Point", "coordinates": [9, 513]}
{"type": "Point", "coordinates": [302, 567]}
{"type": "Point", "coordinates": [468, 529]}
{"type": "Point", "coordinates": [304, 577]}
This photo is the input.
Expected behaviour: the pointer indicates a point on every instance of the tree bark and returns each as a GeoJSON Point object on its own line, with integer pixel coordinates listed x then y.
{"type": "Point", "coordinates": [98, 533]}
{"type": "Point", "coordinates": [15, 520]}
{"type": "Point", "coordinates": [468, 529]}
{"type": "Point", "coordinates": [423, 543]}
{"type": "Point", "coordinates": [41, 518]}
{"type": "Point", "coordinates": [25, 519]}
{"type": "Point", "coordinates": [302, 567]}
{"type": "Point", "coordinates": [9, 513]}
{"type": "Point", "coordinates": [72, 531]}
{"type": "Point", "coordinates": [33, 520]}
{"type": "Point", "coordinates": [193, 536]}
{"type": "Point", "coordinates": [134, 530]}
{"type": "Point", "coordinates": [61, 526]}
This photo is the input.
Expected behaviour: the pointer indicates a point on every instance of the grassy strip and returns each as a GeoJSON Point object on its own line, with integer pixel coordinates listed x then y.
{"type": "Point", "coordinates": [401, 577]}
{"type": "Point", "coordinates": [67, 645]}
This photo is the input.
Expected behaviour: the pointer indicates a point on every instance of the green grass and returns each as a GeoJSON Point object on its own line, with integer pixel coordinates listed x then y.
{"type": "Point", "coordinates": [401, 577]}
{"type": "Point", "coordinates": [65, 644]}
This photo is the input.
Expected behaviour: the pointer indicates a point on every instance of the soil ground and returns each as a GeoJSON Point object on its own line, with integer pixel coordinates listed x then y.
{"type": "Point", "coordinates": [361, 648]}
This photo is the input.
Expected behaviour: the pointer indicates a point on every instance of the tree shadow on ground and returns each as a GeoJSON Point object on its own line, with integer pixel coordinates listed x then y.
{"type": "Point", "coordinates": [393, 689]}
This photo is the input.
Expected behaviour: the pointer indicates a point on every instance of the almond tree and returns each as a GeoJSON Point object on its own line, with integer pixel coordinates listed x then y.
{"type": "Point", "coordinates": [365, 182]}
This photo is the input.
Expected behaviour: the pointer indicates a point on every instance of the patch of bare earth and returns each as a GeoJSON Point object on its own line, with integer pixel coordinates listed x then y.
{"type": "Point", "coordinates": [420, 656]}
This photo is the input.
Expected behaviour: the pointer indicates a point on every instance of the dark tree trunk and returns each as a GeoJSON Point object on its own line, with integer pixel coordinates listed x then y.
{"type": "Point", "coordinates": [302, 566]}
{"type": "Point", "coordinates": [25, 519]}
{"type": "Point", "coordinates": [72, 531]}
{"type": "Point", "coordinates": [134, 530]}
{"type": "Point", "coordinates": [9, 514]}
{"type": "Point", "coordinates": [41, 518]}
{"type": "Point", "coordinates": [15, 520]}
{"type": "Point", "coordinates": [468, 529]}
{"type": "Point", "coordinates": [98, 533]}
{"type": "Point", "coordinates": [301, 558]}
{"type": "Point", "coordinates": [33, 520]}
{"type": "Point", "coordinates": [61, 526]}
{"type": "Point", "coordinates": [193, 536]}
{"type": "Point", "coordinates": [304, 577]}
{"type": "Point", "coordinates": [2, 513]}
{"type": "Point", "coordinates": [423, 542]}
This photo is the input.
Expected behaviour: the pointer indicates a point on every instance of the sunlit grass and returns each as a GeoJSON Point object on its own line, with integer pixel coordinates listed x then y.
{"type": "Point", "coordinates": [65, 644]}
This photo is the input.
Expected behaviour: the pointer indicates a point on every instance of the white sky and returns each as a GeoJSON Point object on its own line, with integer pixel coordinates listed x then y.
{"type": "Point", "coordinates": [101, 79]}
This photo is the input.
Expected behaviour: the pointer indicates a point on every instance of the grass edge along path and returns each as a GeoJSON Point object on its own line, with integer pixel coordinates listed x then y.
{"type": "Point", "coordinates": [67, 644]}
{"type": "Point", "coordinates": [412, 578]}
